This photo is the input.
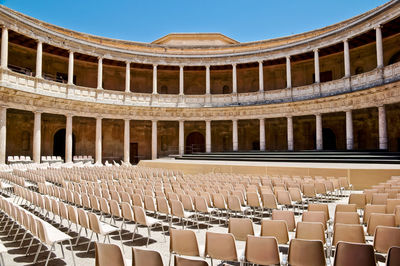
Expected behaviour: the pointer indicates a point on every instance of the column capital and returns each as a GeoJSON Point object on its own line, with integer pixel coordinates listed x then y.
{"type": "Point", "coordinates": [346, 40]}
{"type": "Point", "coordinates": [381, 106]}
{"type": "Point", "coordinates": [260, 62]}
{"type": "Point", "coordinates": [318, 114]}
{"type": "Point", "coordinates": [3, 107]}
{"type": "Point", "coordinates": [288, 57]}
{"type": "Point", "coordinates": [181, 66]}
{"type": "Point", "coordinates": [4, 27]}
{"type": "Point", "coordinates": [234, 119]}
{"type": "Point", "coordinates": [155, 65]}
{"type": "Point", "coordinates": [261, 118]}
{"type": "Point", "coordinates": [379, 26]}
{"type": "Point", "coordinates": [69, 115]}
{"type": "Point", "coordinates": [316, 50]}
{"type": "Point", "coordinates": [99, 117]}
{"type": "Point", "coordinates": [154, 120]}
{"type": "Point", "coordinates": [208, 120]}
{"type": "Point", "coordinates": [37, 111]}
{"type": "Point", "coordinates": [127, 119]}
{"type": "Point", "coordinates": [71, 51]}
{"type": "Point", "coordinates": [289, 116]}
{"type": "Point", "coordinates": [100, 58]}
{"type": "Point", "coordinates": [234, 64]}
{"type": "Point", "coordinates": [128, 63]}
{"type": "Point", "coordinates": [207, 66]}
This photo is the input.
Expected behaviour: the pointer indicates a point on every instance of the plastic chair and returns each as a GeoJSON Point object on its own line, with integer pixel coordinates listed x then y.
{"type": "Point", "coordinates": [348, 233]}
{"type": "Point", "coordinates": [347, 218]}
{"type": "Point", "coordinates": [287, 216]}
{"type": "Point", "coordinates": [349, 254]}
{"type": "Point", "coordinates": [240, 228]}
{"type": "Point", "coordinates": [386, 237]}
{"type": "Point", "coordinates": [393, 256]}
{"type": "Point", "coordinates": [306, 253]}
{"type": "Point", "coordinates": [275, 228]}
{"type": "Point", "coordinates": [143, 257]}
{"type": "Point", "coordinates": [379, 219]}
{"type": "Point", "coordinates": [108, 254]}
{"type": "Point", "coordinates": [183, 242]}
{"type": "Point", "coordinates": [220, 246]}
{"type": "Point", "coordinates": [180, 261]}
{"type": "Point", "coordinates": [262, 250]}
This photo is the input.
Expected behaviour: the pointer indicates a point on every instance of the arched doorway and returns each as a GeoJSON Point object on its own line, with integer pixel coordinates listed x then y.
{"type": "Point", "coordinates": [329, 139]}
{"type": "Point", "coordinates": [59, 143]}
{"type": "Point", "coordinates": [195, 142]}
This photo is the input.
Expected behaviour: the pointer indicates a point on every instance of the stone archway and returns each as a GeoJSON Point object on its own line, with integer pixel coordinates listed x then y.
{"type": "Point", "coordinates": [195, 142]}
{"type": "Point", "coordinates": [59, 143]}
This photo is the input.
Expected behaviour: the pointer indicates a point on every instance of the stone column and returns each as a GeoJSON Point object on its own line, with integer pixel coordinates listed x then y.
{"type": "Point", "coordinates": [71, 68]}
{"type": "Point", "coordinates": [262, 134]}
{"type": "Point", "coordinates": [4, 48]}
{"type": "Point", "coordinates": [39, 55]}
{"type": "Point", "coordinates": [383, 141]}
{"type": "Point", "coordinates": [154, 79]}
{"type": "Point", "coordinates": [3, 134]}
{"type": "Point", "coordinates": [128, 77]}
{"type": "Point", "coordinates": [290, 142]}
{"type": "Point", "coordinates": [234, 79]}
{"type": "Point", "coordinates": [154, 139]}
{"type": "Point", "coordinates": [318, 133]}
{"type": "Point", "coordinates": [68, 139]}
{"type": "Point", "coordinates": [316, 66]}
{"type": "Point", "coordinates": [208, 135]}
{"type": "Point", "coordinates": [127, 140]}
{"type": "Point", "coordinates": [379, 47]}
{"type": "Point", "coordinates": [37, 136]}
{"type": "Point", "coordinates": [181, 81]}
{"type": "Point", "coordinates": [349, 130]}
{"type": "Point", "coordinates": [181, 137]}
{"type": "Point", "coordinates": [100, 74]}
{"type": "Point", "coordinates": [260, 76]}
{"type": "Point", "coordinates": [98, 140]}
{"type": "Point", "coordinates": [208, 90]}
{"type": "Point", "coordinates": [288, 73]}
{"type": "Point", "coordinates": [235, 142]}
{"type": "Point", "coordinates": [346, 58]}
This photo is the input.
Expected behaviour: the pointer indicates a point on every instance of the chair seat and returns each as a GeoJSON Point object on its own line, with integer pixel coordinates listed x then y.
{"type": "Point", "coordinates": [2, 248]}
{"type": "Point", "coordinates": [54, 235]}
{"type": "Point", "coordinates": [6, 185]}
{"type": "Point", "coordinates": [151, 221]}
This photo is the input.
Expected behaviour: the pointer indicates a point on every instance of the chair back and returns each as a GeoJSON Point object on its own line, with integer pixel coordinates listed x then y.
{"type": "Point", "coordinates": [262, 250]}
{"type": "Point", "coordinates": [287, 216]}
{"type": "Point", "coordinates": [275, 228]}
{"type": "Point", "coordinates": [144, 257]}
{"type": "Point", "coordinates": [393, 257]}
{"type": "Point", "coordinates": [345, 254]}
{"type": "Point", "coordinates": [348, 233]}
{"type": "Point", "coordinates": [183, 242]}
{"type": "Point", "coordinates": [220, 246]}
{"type": "Point", "coordinates": [240, 228]}
{"type": "Point", "coordinates": [379, 219]}
{"type": "Point", "coordinates": [180, 261]}
{"type": "Point", "coordinates": [310, 231]}
{"type": "Point", "coordinates": [386, 237]}
{"type": "Point", "coordinates": [108, 254]}
{"type": "Point", "coordinates": [306, 253]}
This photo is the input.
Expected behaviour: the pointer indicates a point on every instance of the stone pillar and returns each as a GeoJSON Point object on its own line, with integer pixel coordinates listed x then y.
{"type": "Point", "coordinates": [234, 79]}
{"type": "Point", "coordinates": [235, 142]}
{"type": "Point", "coordinates": [318, 133]}
{"type": "Point", "coordinates": [208, 135]}
{"type": "Point", "coordinates": [316, 66]}
{"type": "Point", "coordinates": [154, 79]}
{"type": "Point", "coordinates": [181, 137]}
{"type": "Point", "coordinates": [98, 140]}
{"type": "Point", "coordinates": [208, 89]}
{"type": "Point", "coordinates": [346, 58]}
{"type": "Point", "coordinates": [154, 139]}
{"type": "Point", "coordinates": [37, 136]}
{"type": "Point", "coordinates": [71, 68]}
{"type": "Point", "coordinates": [181, 81]}
{"type": "Point", "coordinates": [290, 142]}
{"type": "Point", "coordinates": [379, 47]}
{"type": "Point", "coordinates": [68, 139]}
{"type": "Point", "coordinates": [3, 134]}
{"type": "Point", "coordinates": [288, 73]}
{"type": "Point", "coordinates": [262, 134]}
{"type": "Point", "coordinates": [349, 130]}
{"type": "Point", "coordinates": [4, 48]}
{"type": "Point", "coordinates": [128, 77]}
{"type": "Point", "coordinates": [383, 141]}
{"type": "Point", "coordinates": [100, 74]}
{"type": "Point", "coordinates": [39, 55]}
{"type": "Point", "coordinates": [127, 140]}
{"type": "Point", "coordinates": [260, 76]}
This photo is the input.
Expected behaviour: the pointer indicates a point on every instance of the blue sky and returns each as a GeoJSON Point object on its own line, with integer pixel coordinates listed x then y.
{"type": "Point", "coordinates": [146, 21]}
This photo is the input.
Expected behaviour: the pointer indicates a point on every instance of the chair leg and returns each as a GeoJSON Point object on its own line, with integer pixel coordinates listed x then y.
{"type": "Point", "coordinates": [48, 256]}
{"type": "Point", "coordinates": [72, 252]}
{"type": "Point", "coordinates": [37, 253]}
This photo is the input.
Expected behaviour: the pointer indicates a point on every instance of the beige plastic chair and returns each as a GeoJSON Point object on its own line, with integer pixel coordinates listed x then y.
{"type": "Point", "coordinates": [372, 209]}
{"type": "Point", "coordinates": [314, 216]}
{"type": "Point", "coordinates": [108, 254]}
{"type": "Point", "coordinates": [310, 231]}
{"type": "Point", "coordinates": [320, 207]}
{"type": "Point", "coordinates": [348, 233]}
{"type": "Point", "coordinates": [391, 205]}
{"type": "Point", "coordinates": [262, 250]}
{"type": "Point", "coordinates": [127, 216]}
{"type": "Point", "coordinates": [287, 216]}
{"type": "Point", "coordinates": [306, 253]}
{"type": "Point", "coordinates": [240, 228]}
{"type": "Point", "coordinates": [275, 228]}
{"type": "Point", "coordinates": [269, 202]}
{"type": "Point", "coordinates": [347, 218]}
{"type": "Point", "coordinates": [393, 257]}
{"type": "Point", "coordinates": [345, 208]}
{"type": "Point", "coordinates": [220, 246]}
{"type": "Point", "coordinates": [180, 261]}
{"type": "Point", "coordinates": [235, 207]}
{"type": "Point", "coordinates": [376, 219]}
{"type": "Point", "coordinates": [99, 228]}
{"type": "Point", "coordinates": [386, 237]}
{"type": "Point", "coordinates": [345, 254]}
{"type": "Point", "coordinates": [359, 199]}
{"type": "Point", "coordinates": [143, 257]}
{"type": "Point", "coordinates": [142, 219]}
{"type": "Point", "coordinates": [379, 198]}
{"type": "Point", "coordinates": [183, 242]}
{"type": "Point", "coordinates": [177, 210]}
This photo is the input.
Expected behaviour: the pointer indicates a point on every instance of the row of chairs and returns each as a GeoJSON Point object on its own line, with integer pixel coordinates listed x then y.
{"type": "Point", "coordinates": [46, 234]}
{"type": "Point", "coordinates": [19, 159]}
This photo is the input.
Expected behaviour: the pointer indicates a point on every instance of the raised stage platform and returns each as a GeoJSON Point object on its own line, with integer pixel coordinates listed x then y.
{"type": "Point", "coordinates": [360, 175]}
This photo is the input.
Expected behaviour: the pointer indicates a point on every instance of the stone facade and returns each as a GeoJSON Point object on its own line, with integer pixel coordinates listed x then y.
{"type": "Point", "coordinates": [335, 88]}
